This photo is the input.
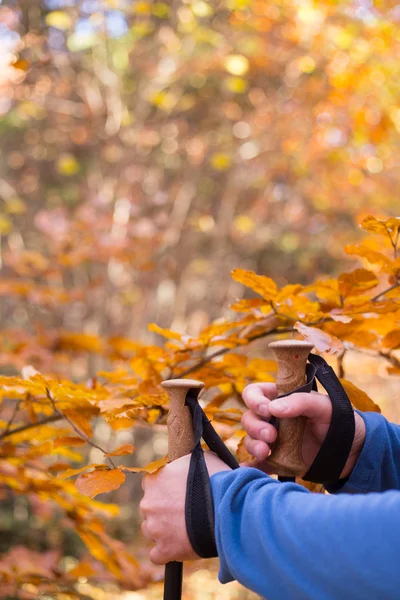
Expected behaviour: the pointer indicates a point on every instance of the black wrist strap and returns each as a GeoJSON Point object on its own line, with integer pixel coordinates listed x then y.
{"type": "Point", "coordinates": [199, 509]}
{"type": "Point", "coordinates": [334, 452]}
{"type": "Point", "coordinates": [326, 468]}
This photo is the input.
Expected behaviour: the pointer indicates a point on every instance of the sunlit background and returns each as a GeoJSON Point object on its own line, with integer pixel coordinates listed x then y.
{"type": "Point", "coordinates": [148, 148]}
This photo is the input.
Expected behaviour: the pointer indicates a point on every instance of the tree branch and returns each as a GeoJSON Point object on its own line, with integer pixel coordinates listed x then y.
{"type": "Point", "coordinates": [44, 421]}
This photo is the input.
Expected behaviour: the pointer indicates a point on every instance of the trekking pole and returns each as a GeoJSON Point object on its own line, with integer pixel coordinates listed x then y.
{"type": "Point", "coordinates": [286, 455]}
{"type": "Point", "coordinates": [180, 443]}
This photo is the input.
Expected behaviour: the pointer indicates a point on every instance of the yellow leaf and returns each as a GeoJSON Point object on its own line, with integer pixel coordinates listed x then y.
{"type": "Point", "coordinates": [167, 333]}
{"type": "Point", "coordinates": [264, 286]}
{"type": "Point", "coordinates": [58, 19]}
{"type": "Point", "coordinates": [247, 305]}
{"type": "Point", "coordinates": [383, 227]}
{"type": "Point", "coordinates": [122, 450]}
{"type": "Point", "coordinates": [358, 398]}
{"type": "Point", "coordinates": [99, 482]}
{"type": "Point", "coordinates": [372, 256]}
{"type": "Point", "coordinates": [152, 467]}
{"type": "Point", "coordinates": [357, 282]}
{"type": "Point", "coordinates": [73, 472]}
{"type": "Point", "coordinates": [322, 341]}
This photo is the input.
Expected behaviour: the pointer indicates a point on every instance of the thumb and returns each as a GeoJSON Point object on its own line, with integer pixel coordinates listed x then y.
{"type": "Point", "coordinates": [314, 406]}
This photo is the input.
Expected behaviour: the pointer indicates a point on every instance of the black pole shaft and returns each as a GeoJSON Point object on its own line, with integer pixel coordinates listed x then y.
{"type": "Point", "coordinates": [173, 581]}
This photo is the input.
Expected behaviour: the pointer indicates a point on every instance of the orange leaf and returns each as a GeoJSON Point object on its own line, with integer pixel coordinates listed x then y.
{"type": "Point", "coordinates": [78, 420]}
{"type": "Point", "coordinates": [264, 286]}
{"type": "Point", "coordinates": [82, 569]}
{"type": "Point", "coordinates": [392, 339]}
{"type": "Point", "coordinates": [122, 450]}
{"type": "Point", "coordinates": [241, 453]}
{"type": "Point", "coordinates": [358, 398]}
{"type": "Point", "coordinates": [383, 227]}
{"type": "Point", "coordinates": [151, 468]}
{"type": "Point", "coordinates": [372, 256]}
{"type": "Point", "coordinates": [99, 482]}
{"type": "Point", "coordinates": [323, 342]}
{"type": "Point", "coordinates": [68, 441]}
{"type": "Point", "coordinates": [357, 282]}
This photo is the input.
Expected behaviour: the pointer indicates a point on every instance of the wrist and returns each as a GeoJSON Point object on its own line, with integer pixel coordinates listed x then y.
{"type": "Point", "coordinates": [358, 443]}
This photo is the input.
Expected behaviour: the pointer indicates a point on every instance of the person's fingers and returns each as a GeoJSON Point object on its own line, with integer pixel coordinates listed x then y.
{"type": "Point", "coordinates": [256, 448]}
{"type": "Point", "coordinates": [257, 396]}
{"type": "Point", "coordinates": [143, 482]}
{"type": "Point", "coordinates": [257, 428]}
{"type": "Point", "coordinates": [314, 406]}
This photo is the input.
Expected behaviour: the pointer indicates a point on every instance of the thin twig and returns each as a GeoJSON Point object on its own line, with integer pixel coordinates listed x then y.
{"type": "Point", "coordinates": [340, 365]}
{"type": "Point", "coordinates": [76, 428]}
{"type": "Point", "coordinates": [389, 289]}
{"type": "Point", "coordinates": [44, 421]}
{"type": "Point", "coordinates": [10, 422]}
{"type": "Point", "coordinates": [222, 351]}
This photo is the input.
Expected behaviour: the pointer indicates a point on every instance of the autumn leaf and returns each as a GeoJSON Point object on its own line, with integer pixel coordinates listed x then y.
{"type": "Point", "coordinates": [359, 398]}
{"type": "Point", "coordinates": [383, 227]}
{"type": "Point", "coordinates": [122, 450]}
{"type": "Point", "coordinates": [73, 472]}
{"type": "Point", "coordinates": [372, 256]}
{"type": "Point", "coordinates": [151, 468]}
{"type": "Point", "coordinates": [357, 282]}
{"type": "Point", "coordinates": [392, 339]}
{"type": "Point", "coordinates": [322, 341]}
{"type": "Point", "coordinates": [99, 482]}
{"type": "Point", "coordinates": [167, 333]}
{"type": "Point", "coordinates": [68, 441]}
{"type": "Point", "coordinates": [241, 453]}
{"type": "Point", "coordinates": [264, 286]}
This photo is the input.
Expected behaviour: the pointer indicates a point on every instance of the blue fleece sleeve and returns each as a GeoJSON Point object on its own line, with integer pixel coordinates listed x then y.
{"type": "Point", "coordinates": [378, 467]}
{"type": "Point", "coordinates": [285, 543]}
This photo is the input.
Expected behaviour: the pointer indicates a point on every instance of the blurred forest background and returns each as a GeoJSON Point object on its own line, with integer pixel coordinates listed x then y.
{"type": "Point", "coordinates": [149, 148]}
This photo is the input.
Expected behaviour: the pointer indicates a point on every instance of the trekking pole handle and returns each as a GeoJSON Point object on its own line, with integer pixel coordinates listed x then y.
{"type": "Point", "coordinates": [286, 456]}
{"type": "Point", "coordinates": [180, 443]}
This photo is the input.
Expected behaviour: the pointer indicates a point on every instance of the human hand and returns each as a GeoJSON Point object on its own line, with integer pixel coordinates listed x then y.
{"type": "Point", "coordinates": [163, 509]}
{"type": "Point", "coordinates": [261, 400]}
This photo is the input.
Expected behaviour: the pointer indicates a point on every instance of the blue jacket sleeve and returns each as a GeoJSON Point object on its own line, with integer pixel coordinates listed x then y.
{"type": "Point", "coordinates": [378, 467]}
{"type": "Point", "coordinates": [285, 543]}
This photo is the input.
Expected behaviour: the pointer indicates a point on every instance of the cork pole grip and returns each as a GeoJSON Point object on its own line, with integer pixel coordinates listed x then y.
{"type": "Point", "coordinates": [286, 457]}
{"type": "Point", "coordinates": [179, 422]}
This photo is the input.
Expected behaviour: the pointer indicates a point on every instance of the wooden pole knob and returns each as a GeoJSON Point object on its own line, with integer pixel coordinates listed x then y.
{"type": "Point", "coordinates": [286, 458]}
{"type": "Point", "coordinates": [179, 422]}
